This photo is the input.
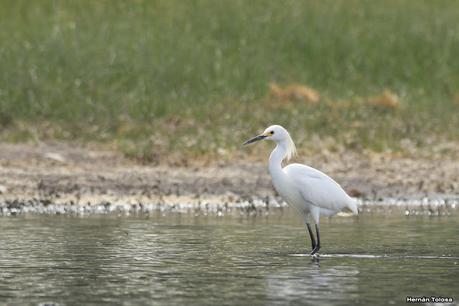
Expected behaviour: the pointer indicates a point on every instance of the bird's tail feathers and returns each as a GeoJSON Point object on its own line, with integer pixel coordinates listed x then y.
{"type": "Point", "coordinates": [352, 206]}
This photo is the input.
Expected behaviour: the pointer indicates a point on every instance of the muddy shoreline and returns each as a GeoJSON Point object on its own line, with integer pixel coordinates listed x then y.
{"type": "Point", "coordinates": [64, 178]}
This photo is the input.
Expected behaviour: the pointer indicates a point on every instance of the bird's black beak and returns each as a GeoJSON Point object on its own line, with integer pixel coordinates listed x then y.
{"type": "Point", "coordinates": [254, 139]}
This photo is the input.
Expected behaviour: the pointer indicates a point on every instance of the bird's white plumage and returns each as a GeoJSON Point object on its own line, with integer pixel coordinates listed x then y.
{"type": "Point", "coordinates": [320, 190]}
{"type": "Point", "coordinates": [310, 191]}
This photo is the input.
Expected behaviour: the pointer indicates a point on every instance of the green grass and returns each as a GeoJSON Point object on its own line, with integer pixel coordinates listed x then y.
{"type": "Point", "coordinates": [191, 76]}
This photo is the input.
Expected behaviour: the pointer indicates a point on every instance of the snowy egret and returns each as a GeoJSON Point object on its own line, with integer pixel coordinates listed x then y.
{"type": "Point", "coordinates": [310, 191]}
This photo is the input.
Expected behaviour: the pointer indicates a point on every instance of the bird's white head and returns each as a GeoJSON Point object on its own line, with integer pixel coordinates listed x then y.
{"type": "Point", "coordinates": [279, 135]}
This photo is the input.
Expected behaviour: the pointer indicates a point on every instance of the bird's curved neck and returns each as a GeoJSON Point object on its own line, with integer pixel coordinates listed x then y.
{"type": "Point", "coordinates": [276, 158]}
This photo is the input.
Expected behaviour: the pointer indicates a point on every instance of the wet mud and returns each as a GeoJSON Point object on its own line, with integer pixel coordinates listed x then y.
{"type": "Point", "coordinates": [62, 178]}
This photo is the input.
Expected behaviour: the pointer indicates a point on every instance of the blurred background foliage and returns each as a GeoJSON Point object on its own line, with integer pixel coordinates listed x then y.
{"type": "Point", "coordinates": [192, 77]}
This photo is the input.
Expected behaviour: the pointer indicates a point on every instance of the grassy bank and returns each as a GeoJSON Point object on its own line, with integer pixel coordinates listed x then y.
{"type": "Point", "coordinates": [192, 76]}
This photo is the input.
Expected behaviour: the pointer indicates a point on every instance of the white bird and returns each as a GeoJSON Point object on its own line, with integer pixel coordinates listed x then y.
{"type": "Point", "coordinates": [310, 191]}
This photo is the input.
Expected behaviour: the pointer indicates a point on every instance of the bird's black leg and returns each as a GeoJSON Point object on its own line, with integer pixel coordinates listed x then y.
{"type": "Point", "coordinates": [313, 241]}
{"type": "Point", "coordinates": [317, 248]}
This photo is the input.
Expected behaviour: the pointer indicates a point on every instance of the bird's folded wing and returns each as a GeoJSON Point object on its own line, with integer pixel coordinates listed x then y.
{"type": "Point", "coordinates": [317, 188]}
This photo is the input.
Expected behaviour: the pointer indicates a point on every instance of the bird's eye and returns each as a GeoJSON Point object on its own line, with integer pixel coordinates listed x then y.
{"type": "Point", "coordinates": [271, 133]}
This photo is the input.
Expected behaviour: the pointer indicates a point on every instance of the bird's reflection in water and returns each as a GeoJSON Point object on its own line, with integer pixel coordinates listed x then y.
{"type": "Point", "coordinates": [312, 282]}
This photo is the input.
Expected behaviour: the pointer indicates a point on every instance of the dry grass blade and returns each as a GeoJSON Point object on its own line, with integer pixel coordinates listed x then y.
{"type": "Point", "coordinates": [293, 92]}
{"type": "Point", "coordinates": [387, 99]}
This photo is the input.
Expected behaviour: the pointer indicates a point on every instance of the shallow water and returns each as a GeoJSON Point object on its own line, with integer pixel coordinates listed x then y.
{"type": "Point", "coordinates": [181, 259]}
